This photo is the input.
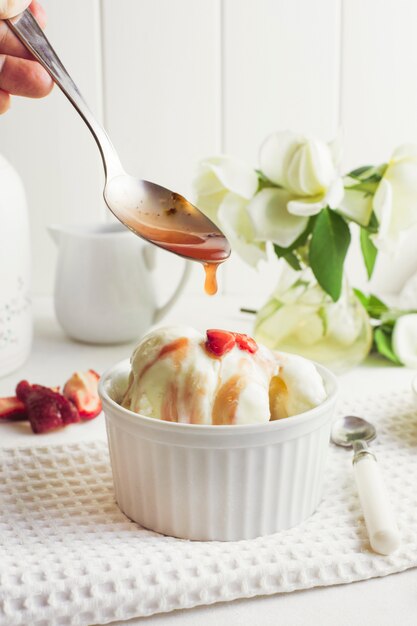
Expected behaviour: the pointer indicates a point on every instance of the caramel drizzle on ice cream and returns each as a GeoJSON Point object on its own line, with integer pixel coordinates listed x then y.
{"type": "Point", "coordinates": [278, 397]}
{"type": "Point", "coordinates": [169, 409]}
{"type": "Point", "coordinates": [176, 348]}
{"type": "Point", "coordinates": [227, 400]}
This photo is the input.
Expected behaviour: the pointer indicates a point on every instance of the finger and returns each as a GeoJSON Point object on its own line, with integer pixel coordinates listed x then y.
{"type": "Point", "coordinates": [10, 8]}
{"type": "Point", "coordinates": [4, 101]}
{"type": "Point", "coordinates": [22, 77]}
{"type": "Point", "coordinates": [10, 44]}
{"type": "Point", "coordinates": [39, 12]}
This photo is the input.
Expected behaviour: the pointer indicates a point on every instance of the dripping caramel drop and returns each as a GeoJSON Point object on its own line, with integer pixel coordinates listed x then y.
{"type": "Point", "coordinates": [210, 284]}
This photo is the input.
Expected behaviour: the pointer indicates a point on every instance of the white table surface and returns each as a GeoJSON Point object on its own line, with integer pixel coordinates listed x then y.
{"type": "Point", "coordinates": [377, 602]}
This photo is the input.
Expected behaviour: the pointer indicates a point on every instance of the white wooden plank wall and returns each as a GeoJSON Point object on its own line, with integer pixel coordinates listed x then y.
{"type": "Point", "coordinates": [177, 80]}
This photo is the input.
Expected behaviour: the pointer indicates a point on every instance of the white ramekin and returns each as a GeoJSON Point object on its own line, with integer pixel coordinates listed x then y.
{"type": "Point", "coordinates": [216, 482]}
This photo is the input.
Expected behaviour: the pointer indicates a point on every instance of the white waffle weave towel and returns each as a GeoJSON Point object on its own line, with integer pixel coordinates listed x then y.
{"type": "Point", "coordinates": [69, 557]}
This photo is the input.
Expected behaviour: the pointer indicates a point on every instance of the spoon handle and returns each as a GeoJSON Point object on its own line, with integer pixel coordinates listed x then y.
{"type": "Point", "coordinates": [27, 29]}
{"type": "Point", "coordinates": [382, 529]}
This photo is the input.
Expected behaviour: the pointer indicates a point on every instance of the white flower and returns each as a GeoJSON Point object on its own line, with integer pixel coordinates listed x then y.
{"type": "Point", "coordinates": [306, 168]}
{"type": "Point", "coordinates": [404, 339]}
{"type": "Point", "coordinates": [234, 220]}
{"type": "Point", "coordinates": [271, 219]}
{"type": "Point", "coordinates": [216, 176]}
{"type": "Point", "coordinates": [395, 200]}
{"type": "Point", "coordinates": [222, 189]}
{"type": "Point", "coordinates": [356, 205]}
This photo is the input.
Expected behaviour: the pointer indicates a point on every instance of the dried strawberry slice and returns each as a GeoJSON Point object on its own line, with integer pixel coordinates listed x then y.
{"type": "Point", "coordinates": [246, 343]}
{"type": "Point", "coordinates": [46, 409]}
{"type": "Point", "coordinates": [12, 409]}
{"type": "Point", "coordinates": [82, 390]}
{"type": "Point", "coordinates": [219, 342]}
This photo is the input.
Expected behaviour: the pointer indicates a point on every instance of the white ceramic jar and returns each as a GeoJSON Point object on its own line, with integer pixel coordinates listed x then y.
{"type": "Point", "coordinates": [15, 305]}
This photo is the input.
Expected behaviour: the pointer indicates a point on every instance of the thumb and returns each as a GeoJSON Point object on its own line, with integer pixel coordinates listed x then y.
{"type": "Point", "coordinates": [11, 8]}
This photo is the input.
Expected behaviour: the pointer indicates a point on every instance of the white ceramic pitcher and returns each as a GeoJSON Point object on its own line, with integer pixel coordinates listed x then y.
{"type": "Point", "coordinates": [104, 287]}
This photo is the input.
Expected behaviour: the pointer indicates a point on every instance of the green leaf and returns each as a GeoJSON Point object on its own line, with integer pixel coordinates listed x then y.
{"type": "Point", "coordinates": [383, 344]}
{"type": "Point", "coordinates": [369, 173]}
{"type": "Point", "coordinates": [363, 299]}
{"type": "Point", "coordinates": [359, 171]}
{"type": "Point", "coordinates": [368, 187]}
{"type": "Point", "coordinates": [376, 308]}
{"type": "Point", "coordinates": [373, 224]}
{"type": "Point", "coordinates": [293, 261]}
{"type": "Point", "coordinates": [369, 251]}
{"type": "Point", "coordinates": [328, 247]}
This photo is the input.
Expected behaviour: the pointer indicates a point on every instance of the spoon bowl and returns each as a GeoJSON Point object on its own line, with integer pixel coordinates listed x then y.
{"type": "Point", "coordinates": [350, 428]}
{"type": "Point", "coordinates": [166, 219]}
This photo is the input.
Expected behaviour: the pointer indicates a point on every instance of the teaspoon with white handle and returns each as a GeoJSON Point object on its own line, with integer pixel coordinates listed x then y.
{"type": "Point", "coordinates": [352, 431]}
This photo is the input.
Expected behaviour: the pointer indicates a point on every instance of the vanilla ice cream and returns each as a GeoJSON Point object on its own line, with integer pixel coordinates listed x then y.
{"type": "Point", "coordinates": [179, 375]}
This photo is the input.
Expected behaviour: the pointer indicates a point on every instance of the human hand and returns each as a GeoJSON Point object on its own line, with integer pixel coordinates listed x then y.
{"type": "Point", "coordinates": [20, 74]}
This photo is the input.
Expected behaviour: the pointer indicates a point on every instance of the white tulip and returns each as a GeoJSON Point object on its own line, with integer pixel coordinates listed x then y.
{"type": "Point", "coordinates": [395, 200]}
{"type": "Point", "coordinates": [404, 339]}
{"type": "Point", "coordinates": [271, 219]}
{"type": "Point", "coordinates": [234, 220]}
{"type": "Point", "coordinates": [217, 176]}
{"type": "Point", "coordinates": [305, 167]}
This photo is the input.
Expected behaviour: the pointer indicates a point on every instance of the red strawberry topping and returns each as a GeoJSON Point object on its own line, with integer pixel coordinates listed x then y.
{"type": "Point", "coordinates": [219, 341]}
{"type": "Point", "coordinates": [82, 390]}
{"type": "Point", "coordinates": [246, 343]}
{"type": "Point", "coordinates": [46, 409]}
{"type": "Point", "coordinates": [12, 409]}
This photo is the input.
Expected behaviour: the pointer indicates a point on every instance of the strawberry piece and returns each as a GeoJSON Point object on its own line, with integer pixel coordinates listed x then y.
{"type": "Point", "coordinates": [46, 409]}
{"type": "Point", "coordinates": [12, 409]}
{"type": "Point", "coordinates": [246, 343]}
{"type": "Point", "coordinates": [82, 390]}
{"type": "Point", "coordinates": [219, 342]}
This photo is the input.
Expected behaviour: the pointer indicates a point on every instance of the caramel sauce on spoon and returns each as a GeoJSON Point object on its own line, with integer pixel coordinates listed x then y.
{"type": "Point", "coordinates": [169, 221]}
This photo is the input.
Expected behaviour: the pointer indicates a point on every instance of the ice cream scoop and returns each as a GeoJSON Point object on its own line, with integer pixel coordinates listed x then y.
{"type": "Point", "coordinates": [179, 375]}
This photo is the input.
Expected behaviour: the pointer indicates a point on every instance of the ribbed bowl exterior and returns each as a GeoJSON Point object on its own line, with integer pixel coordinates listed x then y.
{"type": "Point", "coordinates": [216, 482]}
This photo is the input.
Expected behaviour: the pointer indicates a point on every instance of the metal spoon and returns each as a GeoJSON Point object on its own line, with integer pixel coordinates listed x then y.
{"type": "Point", "coordinates": [351, 431]}
{"type": "Point", "coordinates": [154, 213]}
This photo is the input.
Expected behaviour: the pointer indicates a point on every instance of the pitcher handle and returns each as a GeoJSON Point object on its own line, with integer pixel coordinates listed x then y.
{"type": "Point", "coordinates": [149, 253]}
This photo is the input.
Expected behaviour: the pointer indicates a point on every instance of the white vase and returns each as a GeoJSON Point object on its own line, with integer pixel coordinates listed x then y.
{"type": "Point", "coordinates": [300, 317]}
{"type": "Point", "coordinates": [15, 305]}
